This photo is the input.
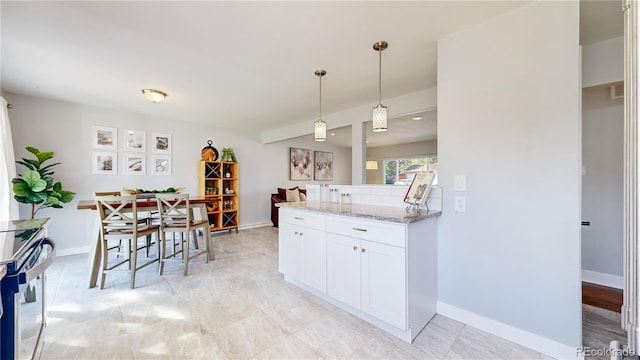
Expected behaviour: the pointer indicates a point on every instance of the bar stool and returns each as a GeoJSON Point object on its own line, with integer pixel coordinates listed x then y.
{"type": "Point", "coordinates": [176, 217]}
{"type": "Point", "coordinates": [119, 221]}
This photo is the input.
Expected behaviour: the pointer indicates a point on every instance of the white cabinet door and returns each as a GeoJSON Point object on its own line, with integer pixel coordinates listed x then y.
{"type": "Point", "coordinates": [313, 258]}
{"type": "Point", "coordinates": [384, 282]}
{"type": "Point", "coordinates": [343, 269]}
{"type": "Point", "coordinates": [290, 252]}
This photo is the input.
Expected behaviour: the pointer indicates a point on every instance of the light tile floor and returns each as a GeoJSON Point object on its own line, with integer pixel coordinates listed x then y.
{"type": "Point", "coordinates": [236, 307]}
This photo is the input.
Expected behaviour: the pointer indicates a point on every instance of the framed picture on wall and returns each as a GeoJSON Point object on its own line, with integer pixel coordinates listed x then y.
{"type": "Point", "coordinates": [323, 165]}
{"type": "Point", "coordinates": [135, 140]}
{"type": "Point", "coordinates": [161, 143]}
{"type": "Point", "coordinates": [300, 164]}
{"type": "Point", "coordinates": [420, 188]}
{"type": "Point", "coordinates": [104, 163]}
{"type": "Point", "coordinates": [134, 164]}
{"type": "Point", "coordinates": [161, 165]}
{"type": "Point", "coordinates": [104, 138]}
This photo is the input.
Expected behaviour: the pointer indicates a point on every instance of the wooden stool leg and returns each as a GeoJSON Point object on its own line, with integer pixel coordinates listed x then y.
{"type": "Point", "coordinates": [105, 258]}
{"type": "Point", "coordinates": [185, 252]}
{"type": "Point", "coordinates": [163, 251]}
{"type": "Point", "coordinates": [133, 260]}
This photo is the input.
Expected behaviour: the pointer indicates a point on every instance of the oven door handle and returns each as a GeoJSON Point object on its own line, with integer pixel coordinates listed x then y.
{"type": "Point", "coordinates": [42, 265]}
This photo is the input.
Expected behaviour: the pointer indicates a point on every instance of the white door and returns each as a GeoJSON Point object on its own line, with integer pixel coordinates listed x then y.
{"type": "Point", "coordinates": [383, 274]}
{"type": "Point", "coordinates": [343, 269]}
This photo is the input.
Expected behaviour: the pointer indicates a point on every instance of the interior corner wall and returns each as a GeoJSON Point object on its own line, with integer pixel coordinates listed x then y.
{"type": "Point", "coordinates": [509, 120]}
{"type": "Point", "coordinates": [65, 129]}
{"type": "Point", "coordinates": [602, 187]}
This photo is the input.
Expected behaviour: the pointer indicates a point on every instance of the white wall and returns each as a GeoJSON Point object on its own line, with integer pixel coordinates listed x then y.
{"type": "Point", "coordinates": [602, 198]}
{"type": "Point", "coordinates": [65, 129]}
{"type": "Point", "coordinates": [603, 62]}
{"type": "Point", "coordinates": [280, 169]}
{"type": "Point", "coordinates": [381, 153]}
{"type": "Point", "coordinates": [509, 119]}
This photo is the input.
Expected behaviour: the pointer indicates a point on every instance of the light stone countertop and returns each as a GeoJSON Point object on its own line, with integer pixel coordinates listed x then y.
{"type": "Point", "coordinates": [381, 213]}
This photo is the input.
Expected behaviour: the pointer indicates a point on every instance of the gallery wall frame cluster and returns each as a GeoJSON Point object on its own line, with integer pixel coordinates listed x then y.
{"type": "Point", "coordinates": [132, 152]}
{"type": "Point", "coordinates": [305, 164]}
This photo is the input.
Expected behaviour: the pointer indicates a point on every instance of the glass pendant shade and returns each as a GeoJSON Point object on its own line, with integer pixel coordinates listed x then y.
{"type": "Point", "coordinates": [320, 130]}
{"type": "Point", "coordinates": [379, 118]}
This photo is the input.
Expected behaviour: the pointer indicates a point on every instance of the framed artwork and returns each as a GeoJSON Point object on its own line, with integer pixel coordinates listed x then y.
{"type": "Point", "coordinates": [300, 164]}
{"type": "Point", "coordinates": [104, 138]}
{"type": "Point", "coordinates": [161, 143]}
{"type": "Point", "coordinates": [104, 163]}
{"type": "Point", "coordinates": [420, 188]}
{"type": "Point", "coordinates": [161, 165]}
{"type": "Point", "coordinates": [134, 164]}
{"type": "Point", "coordinates": [323, 165]}
{"type": "Point", "coordinates": [135, 140]}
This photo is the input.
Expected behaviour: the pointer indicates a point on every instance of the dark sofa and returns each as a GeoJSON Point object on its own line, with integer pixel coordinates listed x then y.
{"type": "Point", "coordinates": [280, 196]}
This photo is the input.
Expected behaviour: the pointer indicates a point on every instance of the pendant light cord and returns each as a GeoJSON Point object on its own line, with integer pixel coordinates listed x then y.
{"type": "Point", "coordinates": [380, 78]}
{"type": "Point", "coordinates": [320, 105]}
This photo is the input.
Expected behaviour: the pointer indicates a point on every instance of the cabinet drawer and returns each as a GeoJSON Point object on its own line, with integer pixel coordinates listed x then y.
{"type": "Point", "coordinates": [303, 218]}
{"type": "Point", "coordinates": [381, 232]}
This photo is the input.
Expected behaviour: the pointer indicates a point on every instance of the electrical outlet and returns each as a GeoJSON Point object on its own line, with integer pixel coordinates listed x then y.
{"type": "Point", "coordinates": [461, 204]}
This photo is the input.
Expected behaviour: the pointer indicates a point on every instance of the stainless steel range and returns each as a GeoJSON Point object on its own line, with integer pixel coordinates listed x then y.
{"type": "Point", "coordinates": [25, 252]}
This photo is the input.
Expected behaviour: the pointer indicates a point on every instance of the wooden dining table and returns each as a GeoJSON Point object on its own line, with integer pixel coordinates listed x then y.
{"type": "Point", "coordinates": [143, 205]}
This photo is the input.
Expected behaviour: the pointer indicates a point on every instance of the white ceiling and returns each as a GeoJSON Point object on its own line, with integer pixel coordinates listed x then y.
{"type": "Point", "coordinates": [242, 65]}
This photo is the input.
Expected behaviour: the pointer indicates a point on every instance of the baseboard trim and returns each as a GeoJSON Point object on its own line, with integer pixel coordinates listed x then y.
{"type": "Point", "coordinates": [519, 336]}
{"type": "Point", "coordinates": [599, 278]}
{"type": "Point", "coordinates": [256, 225]}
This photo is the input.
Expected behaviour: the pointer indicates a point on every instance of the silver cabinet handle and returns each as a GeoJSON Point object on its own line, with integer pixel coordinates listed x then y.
{"type": "Point", "coordinates": [355, 248]}
{"type": "Point", "coordinates": [301, 234]}
{"type": "Point", "coordinates": [298, 218]}
{"type": "Point", "coordinates": [363, 249]}
{"type": "Point", "coordinates": [295, 232]}
{"type": "Point", "coordinates": [359, 229]}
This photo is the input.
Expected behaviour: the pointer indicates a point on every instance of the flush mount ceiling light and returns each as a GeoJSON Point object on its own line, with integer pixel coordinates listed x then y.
{"type": "Point", "coordinates": [416, 118]}
{"type": "Point", "coordinates": [379, 116]}
{"type": "Point", "coordinates": [320, 126]}
{"type": "Point", "coordinates": [155, 96]}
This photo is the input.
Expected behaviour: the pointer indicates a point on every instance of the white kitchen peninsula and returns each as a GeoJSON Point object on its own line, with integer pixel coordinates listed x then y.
{"type": "Point", "coordinates": [377, 262]}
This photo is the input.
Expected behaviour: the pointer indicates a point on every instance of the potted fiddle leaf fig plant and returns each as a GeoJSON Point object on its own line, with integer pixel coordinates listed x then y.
{"type": "Point", "coordinates": [36, 185]}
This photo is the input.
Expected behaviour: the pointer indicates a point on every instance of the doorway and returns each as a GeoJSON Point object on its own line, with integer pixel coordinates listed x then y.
{"type": "Point", "coordinates": [602, 186]}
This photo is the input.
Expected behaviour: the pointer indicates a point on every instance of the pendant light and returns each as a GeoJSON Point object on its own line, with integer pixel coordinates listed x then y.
{"type": "Point", "coordinates": [379, 116]}
{"type": "Point", "coordinates": [320, 126]}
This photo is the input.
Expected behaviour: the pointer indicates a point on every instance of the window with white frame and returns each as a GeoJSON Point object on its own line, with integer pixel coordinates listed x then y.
{"type": "Point", "coordinates": [402, 170]}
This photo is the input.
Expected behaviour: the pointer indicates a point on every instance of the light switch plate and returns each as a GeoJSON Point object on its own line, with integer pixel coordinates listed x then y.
{"type": "Point", "coordinates": [460, 183]}
{"type": "Point", "coordinates": [461, 204]}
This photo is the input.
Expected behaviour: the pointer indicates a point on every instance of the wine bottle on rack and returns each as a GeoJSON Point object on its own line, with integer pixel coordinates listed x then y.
{"type": "Point", "coordinates": [228, 173]}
